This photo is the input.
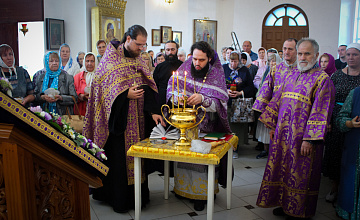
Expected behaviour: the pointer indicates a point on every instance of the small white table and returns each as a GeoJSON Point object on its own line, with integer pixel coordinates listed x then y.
{"type": "Point", "coordinates": [146, 149]}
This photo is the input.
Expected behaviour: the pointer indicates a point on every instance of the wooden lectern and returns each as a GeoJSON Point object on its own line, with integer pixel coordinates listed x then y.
{"type": "Point", "coordinates": [43, 174]}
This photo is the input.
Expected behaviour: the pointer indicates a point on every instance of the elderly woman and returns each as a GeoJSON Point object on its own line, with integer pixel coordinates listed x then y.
{"type": "Point", "coordinates": [237, 73]}
{"type": "Point", "coordinates": [18, 77]}
{"type": "Point", "coordinates": [327, 63]}
{"type": "Point", "coordinates": [146, 57]}
{"type": "Point", "coordinates": [67, 63]}
{"type": "Point", "coordinates": [82, 81]}
{"type": "Point", "coordinates": [344, 81]}
{"type": "Point", "coordinates": [181, 55]}
{"type": "Point", "coordinates": [53, 77]}
{"type": "Point", "coordinates": [348, 121]}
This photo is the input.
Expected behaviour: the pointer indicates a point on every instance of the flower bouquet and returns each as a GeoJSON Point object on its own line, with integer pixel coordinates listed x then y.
{"type": "Point", "coordinates": [60, 124]}
{"type": "Point", "coordinates": [5, 86]}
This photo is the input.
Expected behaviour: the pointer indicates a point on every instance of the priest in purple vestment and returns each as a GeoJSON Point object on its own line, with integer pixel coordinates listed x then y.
{"type": "Point", "coordinates": [205, 85]}
{"type": "Point", "coordinates": [116, 115]}
{"type": "Point", "coordinates": [298, 115]}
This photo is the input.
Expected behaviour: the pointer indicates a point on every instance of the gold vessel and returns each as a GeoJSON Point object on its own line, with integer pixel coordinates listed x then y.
{"type": "Point", "coordinates": [183, 119]}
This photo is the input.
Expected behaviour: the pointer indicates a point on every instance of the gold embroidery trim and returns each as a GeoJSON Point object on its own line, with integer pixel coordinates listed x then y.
{"type": "Point", "coordinates": [296, 96]}
{"type": "Point", "coordinates": [262, 100]}
{"type": "Point", "coordinates": [276, 88]}
{"type": "Point", "coordinates": [271, 110]}
{"type": "Point", "coordinates": [316, 122]}
{"type": "Point", "coordinates": [292, 190]}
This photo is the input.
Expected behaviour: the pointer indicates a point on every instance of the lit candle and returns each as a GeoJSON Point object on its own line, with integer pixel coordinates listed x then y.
{"type": "Point", "coordinates": [173, 89]}
{"type": "Point", "coordinates": [177, 78]}
{"type": "Point", "coordinates": [185, 84]}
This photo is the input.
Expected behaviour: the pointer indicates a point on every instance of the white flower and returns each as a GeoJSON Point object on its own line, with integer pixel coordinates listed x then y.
{"type": "Point", "coordinates": [42, 114]}
{"type": "Point", "coordinates": [103, 156]}
{"type": "Point", "coordinates": [93, 151]}
{"type": "Point", "coordinates": [71, 133]}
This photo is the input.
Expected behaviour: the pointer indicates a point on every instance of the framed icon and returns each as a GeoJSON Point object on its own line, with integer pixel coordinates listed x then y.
{"type": "Point", "coordinates": [155, 37]}
{"type": "Point", "coordinates": [166, 33]}
{"type": "Point", "coordinates": [55, 33]}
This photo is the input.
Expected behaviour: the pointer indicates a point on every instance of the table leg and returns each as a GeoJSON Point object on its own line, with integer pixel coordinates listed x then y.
{"type": "Point", "coordinates": [166, 179]}
{"type": "Point", "coordinates": [137, 167]}
{"type": "Point", "coordinates": [210, 195]}
{"type": "Point", "coordinates": [229, 178]}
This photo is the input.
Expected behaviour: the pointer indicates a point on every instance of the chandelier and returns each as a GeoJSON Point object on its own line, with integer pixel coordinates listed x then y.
{"type": "Point", "coordinates": [169, 1]}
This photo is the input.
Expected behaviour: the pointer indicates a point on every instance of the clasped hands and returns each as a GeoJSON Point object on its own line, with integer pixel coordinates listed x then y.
{"type": "Point", "coordinates": [83, 97]}
{"type": "Point", "coordinates": [50, 99]}
{"type": "Point", "coordinates": [234, 94]}
{"type": "Point", "coordinates": [355, 122]}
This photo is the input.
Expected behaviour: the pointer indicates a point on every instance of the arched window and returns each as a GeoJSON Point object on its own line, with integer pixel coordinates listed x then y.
{"type": "Point", "coordinates": [282, 22]}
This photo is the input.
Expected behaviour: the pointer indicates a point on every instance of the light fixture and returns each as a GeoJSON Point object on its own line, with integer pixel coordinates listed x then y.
{"type": "Point", "coordinates": [24, 29]}
{"type": "Point", "coordinates": [169, 1]}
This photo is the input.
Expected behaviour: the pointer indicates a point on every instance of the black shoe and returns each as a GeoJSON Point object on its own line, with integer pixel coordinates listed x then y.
{"type": "Point", "coordinates": [120, 210]}
{"type": "Point", "coordinates": [259, 146]}
{"type": "Point", "coordinates": [263, 154]}
{"type": "Point", "coordinates": [279, 212]}
{"type": "Point", "coordinates": [199, 205]}
{"type": "Point", "coordinates": [295, 218]}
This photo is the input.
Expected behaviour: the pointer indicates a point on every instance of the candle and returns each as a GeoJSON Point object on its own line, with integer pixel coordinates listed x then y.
{"type": "Point", "coordinates": [177, 78]}
{"type": "Point", "coordinates": [173, 89]}
{"type": "Point", "coordinates": [185, 84]}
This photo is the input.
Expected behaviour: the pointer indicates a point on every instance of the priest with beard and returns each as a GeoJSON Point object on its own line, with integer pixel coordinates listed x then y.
{"type": "Point", "coordinates": [121, 102]}
{"type": "Point", "coordinates": [205, 85]}
{"type": "Point", "coordinates": [164, 70]}
{"type": "Point", "coordinates": [299, 115]}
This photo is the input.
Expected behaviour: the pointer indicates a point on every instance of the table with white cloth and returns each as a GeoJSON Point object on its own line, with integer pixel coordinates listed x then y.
{"type": "Point", "coordinates": [157, 149]}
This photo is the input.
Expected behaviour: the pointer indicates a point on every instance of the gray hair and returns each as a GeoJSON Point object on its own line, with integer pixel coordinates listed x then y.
{"type": "Point", "coordinates": [313, 42]}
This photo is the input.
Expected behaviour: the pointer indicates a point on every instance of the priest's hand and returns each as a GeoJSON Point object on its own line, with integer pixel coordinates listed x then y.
{"type": "Point", "coordinates": [194, 99]}
{"type": "Point", "coordinates": [157, 119]}
{"type": "Point", "coordinates": [272, 134]}
{"type": "Point", "coordinates": [135, 93]}
{"type": "Point", "coordinates": [306, 148]}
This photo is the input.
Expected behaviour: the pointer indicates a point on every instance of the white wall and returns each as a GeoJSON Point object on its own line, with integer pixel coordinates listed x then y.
{"type": "Point", "coordinates": [346, 27]}
{"type": "Point", "coordinates": [74, 15]}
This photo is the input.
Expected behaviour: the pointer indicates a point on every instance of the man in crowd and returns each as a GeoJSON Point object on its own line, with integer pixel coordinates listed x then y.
{"type": "Point", "coordinates": [281, 54]}
{"type": "Point", "coordinates": [117, 111]}
{"type": "Point", "coordinates": [299, 116]}
{"type": "Point", "coordinates": [272, 83]}
{"type": "Point", "coordinates": [101, 47]}
{"type": "Point", "coordinates": [247, 48]}
{"type": "Point", "coordinates": [223, 55]}
{"type": "Point", "coordinates": [203, 87]}
{"type": "Point", "coordinates": [340, 63]}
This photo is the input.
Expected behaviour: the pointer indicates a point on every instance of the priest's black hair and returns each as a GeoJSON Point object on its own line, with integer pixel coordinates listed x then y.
{"type": "Point", "coordinates": [204, 47]}
{"type": "Point", "coordinates": [133, 32]}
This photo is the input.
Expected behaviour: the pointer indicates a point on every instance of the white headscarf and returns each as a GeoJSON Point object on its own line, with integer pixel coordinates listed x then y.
{"type": "Point", "coordinates": [261, 62]}
{"type": "Point", "coordinates": [354, 45]}
{"type": "Point", "coordinates": [2, 63]}
{"type": "Point", "coordinates": [90, 75]}
{"type": "Point", "coordinates": [248, 59]}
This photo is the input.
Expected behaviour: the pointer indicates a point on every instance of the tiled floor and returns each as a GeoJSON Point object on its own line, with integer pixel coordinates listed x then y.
{"type": "Point", "coordinates": [246, 183]}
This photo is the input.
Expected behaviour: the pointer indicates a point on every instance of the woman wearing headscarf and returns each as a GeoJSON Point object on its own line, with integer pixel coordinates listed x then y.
{"type": "Point", "coordinates": [262, 60]}
{"type": "Point", "coordinates": [327, 63]}
{"type": "Point", "coordinates": [67, 62]}
{"type": "Point", "coordinates": [237, 73]}
{"type": "Point", "coordinates": [344, 81]}
{"type": "Point", "coordinates": [83, 80]}
{"type": "Point", "coordinates": [80, 58]}
{"type": "Point", "coordinates": [54, 77]}
{"type": "Point", "coordinates": [18, 77]}
{"type": "Point", "coordinates": [159, 58]}
{"type": "Point", "coordinates": [246, 61]}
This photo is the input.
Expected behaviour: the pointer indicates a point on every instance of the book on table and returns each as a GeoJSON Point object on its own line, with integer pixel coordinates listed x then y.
{"type": "Point", "coordinates": [160, 132]}
{"type": "Point", "coordinates": [214, 136]}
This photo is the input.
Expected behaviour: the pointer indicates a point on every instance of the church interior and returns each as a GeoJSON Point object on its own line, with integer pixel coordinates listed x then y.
{"type": "Point", "coordinates": [33, 28]}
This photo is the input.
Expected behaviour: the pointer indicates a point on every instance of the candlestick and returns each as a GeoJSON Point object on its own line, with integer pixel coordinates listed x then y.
{"type": "Point", "coordinates": [185, 84]}
{"type": "Point", "coordinates": [173, 89]}
{"type": "Point", "coordinates": [177, 78]}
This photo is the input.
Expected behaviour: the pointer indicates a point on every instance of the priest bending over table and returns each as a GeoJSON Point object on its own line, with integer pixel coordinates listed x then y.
{"type": "Point", "coordinates": [205, 85]}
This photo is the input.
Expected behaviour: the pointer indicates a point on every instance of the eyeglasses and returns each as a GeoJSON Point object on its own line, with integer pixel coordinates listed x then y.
{"type": "Point", "coordinates": [140, 45]}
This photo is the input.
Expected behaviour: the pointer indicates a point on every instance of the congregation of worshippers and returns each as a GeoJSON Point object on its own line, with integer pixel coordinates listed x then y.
{"type": "Point", "coordinates": [305, 113]}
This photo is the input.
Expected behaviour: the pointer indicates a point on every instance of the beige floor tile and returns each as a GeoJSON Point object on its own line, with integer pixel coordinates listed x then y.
{"type": "Point", "coordinates": [238, 213]}
{"type": "Point", "coordinates": [162, 211]}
